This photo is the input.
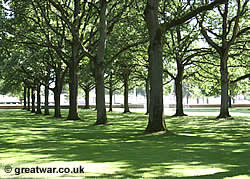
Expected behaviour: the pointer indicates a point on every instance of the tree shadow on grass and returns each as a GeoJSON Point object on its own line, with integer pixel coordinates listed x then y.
{"type": "Point", "coordinates": [202, 147]}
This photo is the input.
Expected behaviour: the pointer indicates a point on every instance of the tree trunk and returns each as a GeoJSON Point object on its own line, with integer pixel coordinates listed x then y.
{"type": "Point", "coordinates": [230, 99]}
{"type": "Point", "coordinates": [73, 92]}
{"type": "Point", "coordinates": [179, 98]}
{"type": "Point", "coordinates": [110, 98]}
{"type": "Point", "coordinates": [95, 95]}
{"type": "Point", "coordinates": [198, 101]}
{"type": "Point", "coordinates": [233, 100]}
{"type": "Point", "coordinates": [187, 98]}
{"type": "Point", "coordinates": [224, 112]}
{"type": "Point", "coordinates": [147, 95]}
{"type": "Point", "coordinates": [230, 102]}
{"type": "Point", "coordinates": [224, 50]}
{"type": "Point", "coordinates": [126, 107]}
{"type": "Point", "coordinates": [86, 99]}
{"type": "Point", "coordinates": [73, 66]}
{"type": "Point", "coordinates": [46, 101]}
{"type": "Point", "coordinates": [57, 113]}
{"type": "Point", "coordinates": [38, 96]}
{"type": "Point", "coordinates": [111, 92]}
{"type": "Point", "coordinates": [99, 66]}
{"type": "Point", "coordinates": [156, 122]}
{"type": "Point", "coordinates": [207, 101]}
{"type": "Point", "coordinates": [28, 95]}
{"type": "Point", "coordinates": [33, 98]}
{"type": "Point", "coordinates": [179, 92]}
{"type": "Point", "coordinates": [24, 97]}
{"type": "Point", "coordinates": [57, 93]}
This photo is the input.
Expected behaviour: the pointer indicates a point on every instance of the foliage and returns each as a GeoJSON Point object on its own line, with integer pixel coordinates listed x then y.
{"type": "Point", "coordinates": [36, 44]}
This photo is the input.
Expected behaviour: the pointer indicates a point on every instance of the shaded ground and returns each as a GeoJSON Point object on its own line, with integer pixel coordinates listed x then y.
{"type": "Point", "coordinates": [201, 147]}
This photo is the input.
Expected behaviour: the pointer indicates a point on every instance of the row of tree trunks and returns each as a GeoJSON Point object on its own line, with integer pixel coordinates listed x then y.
{"type": "Point", "coordinates": [31, 96]}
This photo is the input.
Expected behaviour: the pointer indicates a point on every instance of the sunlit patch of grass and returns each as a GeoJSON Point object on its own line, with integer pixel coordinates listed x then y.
{"type": "Point", "coordinates": [199, 147]}
{"type": "Point", "coordinates": [238, 177]}
{"type": "Point", "coordinates": [194, 170]}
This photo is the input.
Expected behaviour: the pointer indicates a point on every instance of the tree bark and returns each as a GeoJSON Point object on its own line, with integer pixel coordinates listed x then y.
{"type": "Point", "coordinates": [179, 98]}
{"type": "Point", "coordinates": [33, 98]}
{"type": "Point", "coordinates": [73, 92]}
{"type": "Point", "coordinates": [111, 92]}
{"type": "Point", "coordinates": [224, 112]}
{"type": "Point", "coordinates": [110, 98]}
{"type": "Point", "coordinates": [86, 99]}
{"type": "Point", "coordinates": [38, 96]}
{"type": "Point", "coordinates": [46, 100]}
{"type": "Point", "coordinates": [233, 99]}
{"type": "Point", "coordinates": [230, 102]}
{"type": "Point", "coordinates": [99, 67]}
{"type": "Point", "coordinates": [57, 93]}
{"type": "Point", "coordinates": [126, 107]}
{"type": "Point", "coordinates": [223, 51]}
{"type": "Point", "coordinates": [28, 95]}
{"type": "Point", "coordinates": [73, 66]}
{"type": "Point", "coordinates": [179, 90]}
{"type": "Point", "coordinates": [156, 122]}
{"type": "Point", "coordinates": [24, 97]}
{"type": "Point", "coordinates": [57, 113]}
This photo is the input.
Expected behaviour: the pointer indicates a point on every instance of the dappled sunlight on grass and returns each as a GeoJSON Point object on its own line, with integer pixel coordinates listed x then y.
{"type": "Point", "coordinates": [239, 177]}
{"type": "Point", "coordinates": [200, 146]}
{"type": "Point", "coordinates": [194, 169]}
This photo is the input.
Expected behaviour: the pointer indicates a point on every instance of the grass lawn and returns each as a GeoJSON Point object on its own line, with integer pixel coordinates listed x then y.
{"type": "Point", "coordinates": [201, 147]}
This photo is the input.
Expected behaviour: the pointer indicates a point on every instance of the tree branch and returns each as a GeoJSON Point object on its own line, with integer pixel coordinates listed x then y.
{"type": "Point", "coordinates": [241, 78]}
{"type": "Point", "coordinates": [180, 20]}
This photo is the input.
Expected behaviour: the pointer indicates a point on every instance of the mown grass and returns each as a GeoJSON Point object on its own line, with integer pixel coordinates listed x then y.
{"type": "Point", "coordinates": [201, 147]}
{"type": "Point", "coordinates": [215, 111]}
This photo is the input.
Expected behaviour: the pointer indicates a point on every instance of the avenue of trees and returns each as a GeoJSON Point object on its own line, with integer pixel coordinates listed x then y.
{"type": "Point", "coordinates": [119, 45]}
